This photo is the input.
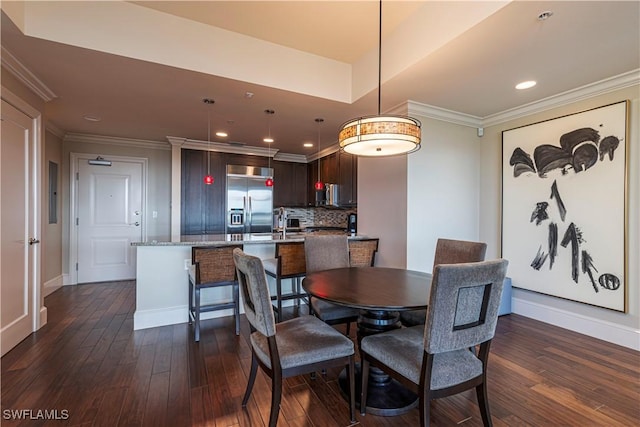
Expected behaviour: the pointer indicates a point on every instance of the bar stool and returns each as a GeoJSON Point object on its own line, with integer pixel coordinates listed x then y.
{"type": "Point", "coordinates": [289, 263]}
{"type": "Point", "coordinates": [362, 252]}
{"type": "Point", "coordinates": [212, 267]}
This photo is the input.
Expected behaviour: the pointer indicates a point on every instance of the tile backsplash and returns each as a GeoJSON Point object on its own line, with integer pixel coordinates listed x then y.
{"type": "Point", "coordinates": [320, 217]}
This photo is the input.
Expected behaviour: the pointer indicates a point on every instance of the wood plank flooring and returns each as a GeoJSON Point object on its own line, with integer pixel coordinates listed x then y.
{"type": "Point", "coordinates": [87, 367]}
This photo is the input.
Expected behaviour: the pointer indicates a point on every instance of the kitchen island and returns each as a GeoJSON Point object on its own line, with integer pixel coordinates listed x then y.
{"type": "Point", "coordinates": [162, 274]}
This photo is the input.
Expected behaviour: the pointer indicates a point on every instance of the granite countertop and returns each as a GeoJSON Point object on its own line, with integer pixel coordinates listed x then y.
{"type": "Point", "coordinates": [230, 239]}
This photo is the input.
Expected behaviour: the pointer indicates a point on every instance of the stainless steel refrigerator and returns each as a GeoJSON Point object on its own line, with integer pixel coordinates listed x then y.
{"type": "Point", "coordinates": [249, 200]}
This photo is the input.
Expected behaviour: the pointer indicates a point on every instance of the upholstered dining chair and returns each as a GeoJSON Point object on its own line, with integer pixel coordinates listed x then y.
{"type": "Point", "coordinates": [447, 252]}
{"type": "Point", "coordinates": [362, 252]}
{"type": "Point", "coordinates": [289, 263]}
{"type": "Point", "coordinates": [212, 267]}
{"type": "Point", "coordinates": [434, 360]}
{"type": "Point", "coordinates": [326, 252]}
{"type": "Point", "coordinates": [294, 347]}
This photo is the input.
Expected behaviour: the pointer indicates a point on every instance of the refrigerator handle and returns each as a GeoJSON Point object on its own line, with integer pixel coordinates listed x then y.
{"type": "Point", "coordinates": [250, 214]}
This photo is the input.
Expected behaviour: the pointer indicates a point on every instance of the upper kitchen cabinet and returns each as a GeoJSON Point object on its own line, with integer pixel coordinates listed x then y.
{"type": "Point", "coordinates": [347, 179]}
{"type": "Point", "coordinates": [245, 160]}
{"type": "Point", "coordinates": [312, 177]}
{"type": "Point", "coordinates": [290, 184]}
{"type": "Point", "coordinates": [329, 168]}
{"type": "Point", "coordinates": [202, 205]}
{"type": "Point", "coordinates": [337, 168]}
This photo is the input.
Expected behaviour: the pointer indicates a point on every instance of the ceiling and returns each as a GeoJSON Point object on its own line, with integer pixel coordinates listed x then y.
{"type": "Point", "coordinates": [143, 68]}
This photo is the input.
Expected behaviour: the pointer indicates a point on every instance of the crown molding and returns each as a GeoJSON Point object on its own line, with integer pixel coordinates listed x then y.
{"type": "Point", "coordinates": [50, 127]}
{"type": "Point", "coordinates": [591, 90]}
{"type": "Point", "coordinates": [324, 152]}
{"type": "Point", "coordinates": [288, 157]}
{"type": "Point", "coordinates": [26, 77]}
{"type": "Point", "coordinates": [437, 113]}
{"type": "Point", "coordinates": [611, 84]}
{"type": "Point", "coordinates": [222, 147]}
{"type": "Point", "coordinates": [113, 140]}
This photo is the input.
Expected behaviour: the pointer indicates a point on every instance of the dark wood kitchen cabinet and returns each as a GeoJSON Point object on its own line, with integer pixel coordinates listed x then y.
{"type": "Point", "coordinates": [312, 178]}
{"type": "Point", "coordinates": [329, 168]}
{"type": "Point", "coordinates": [290, 186]}
{"type": "Point", "coordinates": [348, 179]}
{"type": "Point", "coordinates": [338, 168]}
{"type": "Point", "coordinates": [202, 205]}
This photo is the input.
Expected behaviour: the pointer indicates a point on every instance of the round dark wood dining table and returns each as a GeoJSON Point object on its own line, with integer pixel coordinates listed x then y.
{"type": "Point", "coordinates": [380, 293]}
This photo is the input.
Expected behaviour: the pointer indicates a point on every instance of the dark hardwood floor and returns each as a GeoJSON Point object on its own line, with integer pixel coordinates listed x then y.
{"type": "Point", "coordinates": [88, 367]}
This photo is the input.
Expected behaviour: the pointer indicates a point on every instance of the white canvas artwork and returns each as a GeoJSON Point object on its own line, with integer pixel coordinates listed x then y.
{"type": "Point", "coordinates": [564, 206]}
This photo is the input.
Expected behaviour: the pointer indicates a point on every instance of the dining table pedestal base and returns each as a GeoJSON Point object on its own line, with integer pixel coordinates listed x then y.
{"type": "Point", "coordinates": [385, 396]}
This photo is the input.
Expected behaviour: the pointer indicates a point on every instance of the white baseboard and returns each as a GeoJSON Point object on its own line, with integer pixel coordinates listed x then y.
{"type": "Point", "coordinates": [52, 285]}
{"type": "Point", "coordinates": [601, 329]}
{"type": "Point", "coordinates": [66, 280]}
{"type": "Point", "coordinates": [43, 317]}
{"type": "Point", "coordinates": [143, 319]}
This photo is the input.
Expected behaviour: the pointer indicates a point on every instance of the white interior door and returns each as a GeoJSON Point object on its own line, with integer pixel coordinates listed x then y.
{"type": "Point", "coordinates": [16, 192]}
{"type": "Point", "coordinates": [109, 219]}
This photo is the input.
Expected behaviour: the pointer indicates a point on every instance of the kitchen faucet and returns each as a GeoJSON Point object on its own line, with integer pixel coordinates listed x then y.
{"type": "Point", "coordinates": [283, 218]}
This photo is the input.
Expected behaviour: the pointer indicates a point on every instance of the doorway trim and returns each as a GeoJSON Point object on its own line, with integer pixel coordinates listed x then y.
{"type": "Point", "coordinates": [73, 202]}
{"type": "Point", "coordinates": [36, 165]}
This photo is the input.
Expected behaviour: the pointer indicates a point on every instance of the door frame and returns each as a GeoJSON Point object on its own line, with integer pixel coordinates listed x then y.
{"type": "Point", "coordinates": [36, 164]}
{"type": "Point", "coordinates": [74, 200]}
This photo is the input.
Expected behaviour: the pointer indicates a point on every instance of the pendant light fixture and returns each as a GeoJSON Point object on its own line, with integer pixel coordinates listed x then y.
{"type": "Point", "coordinates": [380, 135]}
{"type": "Point", "coordinates": [319, 185]}
{"type": "Point", "coordinates": [208, 178]}
{"type": "Point", "coordinates": [269, 181]}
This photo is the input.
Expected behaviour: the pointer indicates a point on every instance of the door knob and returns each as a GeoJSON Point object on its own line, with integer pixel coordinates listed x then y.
{"type": "Point", "coordinates": [33, 241]}
{"type": "Point", "coordinates": [135, 223]}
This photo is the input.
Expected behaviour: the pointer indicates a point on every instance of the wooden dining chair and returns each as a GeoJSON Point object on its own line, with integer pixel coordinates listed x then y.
{"type": "Point", "coordinates": [289, 263]}
{"type": "Point", "coordinates": [362, 252]}
{"type": "Point", "coordinates": [212, 267]}
{"type": "Point", "coordinates": [434, 360]}
{"type": "Point", "coordinates": [447, 252]}
{"type": "Point", "coordinates": [294, 347]}
{"type": "Point", "coordinates": [326, 252]}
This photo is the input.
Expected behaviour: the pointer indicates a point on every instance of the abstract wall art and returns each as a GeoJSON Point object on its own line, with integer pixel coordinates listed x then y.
{"type": "Point", "coordinates": [564, 206]}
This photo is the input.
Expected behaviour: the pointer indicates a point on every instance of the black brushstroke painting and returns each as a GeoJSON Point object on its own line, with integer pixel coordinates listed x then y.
{"type": "Point", "coordinates": [553, 243]}
{"type": "Point", "coordinates": [571, 236]}
{"type": "Point", "coordinates": [556, 195]}
{"type": "Point", "coordinates": [609, 281]}
{"type": "Point", "coordinates": [579, 150]}
{"type": "Point", "coordinates": [539, 259]}
{"type": "Point", "coordinates": [588, 268]}
{"type": "Point", "coordinates": [521, 162]}
{"type": "Point", "coordinates": [539, 213]}
{"type": "Point", "coordinates": [607, 146]}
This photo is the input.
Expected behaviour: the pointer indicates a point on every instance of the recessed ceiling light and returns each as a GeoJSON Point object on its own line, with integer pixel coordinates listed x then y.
{"type": "Point", "coordinates": [222, 134]}
{"type": "Point", "coordinates": [268, 140]}
{"type": "Point", "coordinates": [307, 144]}
{"type": "Point", "coordinates": [526, 85]}
{"type": "Point", "coordinates": [91, 118]}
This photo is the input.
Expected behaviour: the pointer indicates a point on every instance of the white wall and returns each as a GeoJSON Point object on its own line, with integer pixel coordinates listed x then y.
{"type": "Point", "coordinates": [52, 233]}
{"type": "Point", "coordinates": [382, 207]}
{"type": "Point", "coordinates": [443, 190]}
{"type": "Point", "coordinates": [158, 184]}
{"type": "Point", "coordinates": [621, 328]}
